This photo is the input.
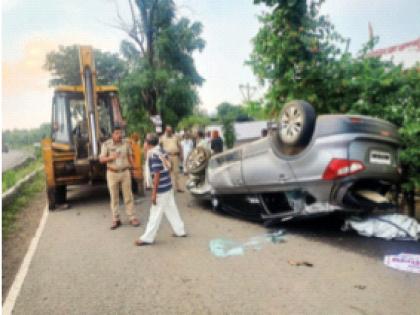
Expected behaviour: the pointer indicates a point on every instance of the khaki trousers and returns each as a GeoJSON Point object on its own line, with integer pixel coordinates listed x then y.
{"type": "Point", "coordinates": [115, 180]}
{"type": "Point", "coordinates": [175, 171]}
{"type": "Point", "coordinates": [165, 205]}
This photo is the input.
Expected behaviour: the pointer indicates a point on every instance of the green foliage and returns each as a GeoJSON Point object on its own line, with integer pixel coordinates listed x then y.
{"type": "Point", "coordinates": [162, 75]}
{"type": "Point", "coordinates": [12, 208]}
{"type": "Point", "coordinates": [227, 110]}
{"type": "Point", "coordinates": [65, 69]}
{"type": "Point", "coordinates": [11, 177]}
{"type": "Point", "coordinates": [228, 131]}
{"type": "Point", "coordinates": [294, 53]}
{"type": "Point", "coordinates": [191, 121]}
{"type": "Point", "coordinates": [297, 53]}
{"type": "Point", "coordinates": [26, 137]}
{"type": "Point", "coordinates": [255, 109]}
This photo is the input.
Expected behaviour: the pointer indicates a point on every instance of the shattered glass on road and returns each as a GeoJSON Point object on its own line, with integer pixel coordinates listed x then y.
{"type": "Point", "coordinates": [224, 247]}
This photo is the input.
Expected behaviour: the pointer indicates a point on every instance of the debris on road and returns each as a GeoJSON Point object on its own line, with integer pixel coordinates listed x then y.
{"type": "Point", "coordinates": [224, 247]}
{"type": "Point", "coordinates": [360, 286]}
{"type": "Point", "coordinates": [387, 226]}
{"type": "Point", "coordinates": [403, 262]}
{"type": "Point", "coordinates": [300, 263]}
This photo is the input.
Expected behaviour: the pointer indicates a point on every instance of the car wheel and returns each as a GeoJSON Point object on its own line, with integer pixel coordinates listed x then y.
{"type": "Point", "coordinates": [296, 123]}
{"type": "Point", "coordinates": [197, 160]}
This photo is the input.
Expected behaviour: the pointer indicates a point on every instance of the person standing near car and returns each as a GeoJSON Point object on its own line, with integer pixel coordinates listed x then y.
{"type": "Point", "coordinates": [172, 146]}
{"type": "Point", "coordinates": [216, 142]}
{"type": "Point", "coordinates": [163, 201]}
{"type": "Point", "coordinates": [116, 153]}
{"type": "Point", "coordinates": [187, 146]}
{"type": "Point", "coordinates": [200, 141]}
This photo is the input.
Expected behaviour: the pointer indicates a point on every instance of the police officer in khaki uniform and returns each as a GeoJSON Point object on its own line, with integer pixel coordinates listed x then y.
{"type": "Point", "coordinates": [172, 146]}
{"type": "Point", "coordinates": [116, 153]}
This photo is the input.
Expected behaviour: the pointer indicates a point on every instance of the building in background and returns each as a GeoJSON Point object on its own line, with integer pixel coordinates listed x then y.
{"type": "Point", "coordinates": [407, 54]}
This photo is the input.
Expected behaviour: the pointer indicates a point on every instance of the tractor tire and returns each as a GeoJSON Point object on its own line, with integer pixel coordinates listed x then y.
{"type": "Point", "coordinates": [56, 196]}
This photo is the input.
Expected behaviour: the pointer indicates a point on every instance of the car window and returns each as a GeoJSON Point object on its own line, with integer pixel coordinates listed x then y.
{"type": "Point", "coordinates": [60, 120]}
{"type": "Point", "coordinates": [228, 157]}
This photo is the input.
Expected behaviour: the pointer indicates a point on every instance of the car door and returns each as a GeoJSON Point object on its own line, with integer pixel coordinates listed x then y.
{"type": "Point", "coordinates": [225, 172]}
{"type": "Point", "coordinates": [265, 171]}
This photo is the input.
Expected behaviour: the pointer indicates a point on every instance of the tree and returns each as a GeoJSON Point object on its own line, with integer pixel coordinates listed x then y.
{"type": "Point", "coordinates": [255, 109]}
{"type": "Point", "coordinates": [294, 53]}
{"type": "Point", "coordinates": [65, 69]}
{"type": "Point", "coordinates": [228, 131]}
{"type": "Point", "coordinates": [189, 122]}
{"type": "Point", "coordinates": [233, 112]}
{"type": "Point", "coordinates": [23, 137]}
{"type": "Point", "coordinates": [162, 76]}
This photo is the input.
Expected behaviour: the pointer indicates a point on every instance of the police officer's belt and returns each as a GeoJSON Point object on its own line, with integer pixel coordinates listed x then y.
{"type": "Point", "coordinates": [117, 171]}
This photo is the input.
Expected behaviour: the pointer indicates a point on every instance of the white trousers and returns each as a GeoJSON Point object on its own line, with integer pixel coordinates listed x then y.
{"type": "Point", "coordinates": [165, 204]}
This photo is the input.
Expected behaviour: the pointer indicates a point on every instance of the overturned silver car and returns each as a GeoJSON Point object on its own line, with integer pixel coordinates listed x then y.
{"type": "Point", "coordinates": [310, 166]}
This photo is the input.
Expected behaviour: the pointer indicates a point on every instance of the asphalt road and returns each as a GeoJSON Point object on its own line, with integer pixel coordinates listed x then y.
{"type": "Point", "coordinates": [81, 267]}
{"type": "Point", "coordinates": [13, 158]}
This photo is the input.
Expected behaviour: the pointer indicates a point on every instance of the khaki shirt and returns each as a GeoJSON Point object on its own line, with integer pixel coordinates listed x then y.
{"type": "Point", "coordinates": [123, 150]}
{"type": "Point", "coordinates": [170, 144]}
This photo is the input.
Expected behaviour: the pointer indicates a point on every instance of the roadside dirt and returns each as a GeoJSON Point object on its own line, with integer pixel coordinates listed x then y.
{"type": "Point", "coordinates": [17, 243]}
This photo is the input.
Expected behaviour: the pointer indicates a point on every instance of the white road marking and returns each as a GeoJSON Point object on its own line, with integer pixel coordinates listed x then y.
{"type": "Point", "coordinates": [14, 291]}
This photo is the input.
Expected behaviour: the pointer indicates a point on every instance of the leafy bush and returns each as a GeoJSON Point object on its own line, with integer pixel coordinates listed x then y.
{"type": "Point", "coordinates": [228, 131]}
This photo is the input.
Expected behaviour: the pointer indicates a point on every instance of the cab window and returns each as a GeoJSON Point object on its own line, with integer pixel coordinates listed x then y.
{"type": "Point", "coordinates": [61, 122]}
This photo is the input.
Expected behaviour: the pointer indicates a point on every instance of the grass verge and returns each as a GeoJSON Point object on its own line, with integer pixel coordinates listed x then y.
{"type": "Point", "coordinates": [21, 200]}
{"type": "Point", "coordinates": [11, 177]}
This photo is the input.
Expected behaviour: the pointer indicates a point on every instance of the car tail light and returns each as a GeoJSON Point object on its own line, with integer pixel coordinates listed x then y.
{"type": "Point", "coordinates": [356, 120]}
{"type": "Point", "coordinates": [338, 168]}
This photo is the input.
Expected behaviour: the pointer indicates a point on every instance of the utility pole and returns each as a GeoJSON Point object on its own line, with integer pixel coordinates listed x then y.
{"type": "Point", "coordinates": [247, 91]}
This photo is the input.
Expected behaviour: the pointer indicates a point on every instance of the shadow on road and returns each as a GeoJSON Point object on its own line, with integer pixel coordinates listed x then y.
{"type": "Point", "coordinates": [85, 195]}
{"type": "Point", "coordinates": [328, 230]}
{"type": "Point", "coordinates": [322, 229]}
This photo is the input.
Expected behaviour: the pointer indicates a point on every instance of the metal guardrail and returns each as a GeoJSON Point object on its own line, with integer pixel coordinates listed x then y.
{"type": "Point", "coordinates": [13, 190]}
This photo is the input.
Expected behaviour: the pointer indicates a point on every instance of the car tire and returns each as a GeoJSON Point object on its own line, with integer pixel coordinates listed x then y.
{"type": "Point", "coordinates": [296, 123]}
{"type": "Point", "coordinates": [197, 160]}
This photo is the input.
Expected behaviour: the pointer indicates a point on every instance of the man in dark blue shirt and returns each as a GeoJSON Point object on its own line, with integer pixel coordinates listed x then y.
{"type": "Point", "coordinates": [163, 201]}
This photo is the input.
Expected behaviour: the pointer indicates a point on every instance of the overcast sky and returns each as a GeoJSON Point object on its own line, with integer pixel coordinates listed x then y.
{"type": "Point", "coordinates": [31, 28]}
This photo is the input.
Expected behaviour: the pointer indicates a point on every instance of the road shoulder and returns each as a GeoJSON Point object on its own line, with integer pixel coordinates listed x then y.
{"type": "Point", "coordinates": [16, 244]}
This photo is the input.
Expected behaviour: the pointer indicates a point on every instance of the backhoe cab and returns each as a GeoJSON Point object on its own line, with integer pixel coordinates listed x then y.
{"type": "Point", "coordinates": [83, 117]}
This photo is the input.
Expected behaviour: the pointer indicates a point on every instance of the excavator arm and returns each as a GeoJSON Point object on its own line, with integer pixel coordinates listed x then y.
{"type": "Point", "coordinates": [88, 74]}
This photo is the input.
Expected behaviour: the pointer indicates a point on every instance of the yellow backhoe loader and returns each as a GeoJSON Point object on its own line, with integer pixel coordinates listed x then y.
{"type": "Point", "coordinates": [83, 117]}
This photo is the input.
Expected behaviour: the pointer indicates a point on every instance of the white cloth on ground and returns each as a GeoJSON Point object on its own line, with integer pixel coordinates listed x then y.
{"type": "Point", "coordinates": [388, 226]}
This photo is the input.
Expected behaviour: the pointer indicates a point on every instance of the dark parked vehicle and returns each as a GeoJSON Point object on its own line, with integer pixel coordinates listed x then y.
{"type": "Point", "coordinates": [5, 148]}
{"type": "Point", "coordinates": [309, 166]}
